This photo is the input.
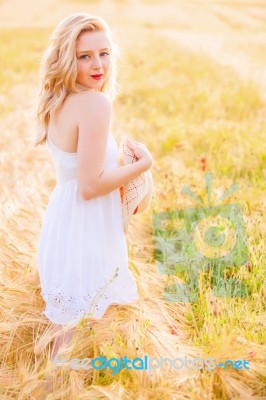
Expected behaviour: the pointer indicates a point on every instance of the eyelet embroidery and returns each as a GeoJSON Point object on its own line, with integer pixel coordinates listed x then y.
{"type": "Point", "coordinates": [78, 306]}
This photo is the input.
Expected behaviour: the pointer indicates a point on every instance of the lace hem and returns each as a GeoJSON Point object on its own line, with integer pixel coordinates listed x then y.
{"type": "Point", "coordinates": [60, 303]}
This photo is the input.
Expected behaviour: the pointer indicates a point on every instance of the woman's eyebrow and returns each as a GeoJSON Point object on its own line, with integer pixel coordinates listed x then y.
{"type": "Point", "coordinates": [89, 51]}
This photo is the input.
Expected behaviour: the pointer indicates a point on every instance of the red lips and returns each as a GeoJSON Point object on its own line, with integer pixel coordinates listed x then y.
{"type": "Point", "coordinates": [97, 76]}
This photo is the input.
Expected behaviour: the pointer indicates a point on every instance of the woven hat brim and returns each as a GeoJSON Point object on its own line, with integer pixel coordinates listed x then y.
{"type": "Point", "coordinates": [137, 192]}
{"type": "Point", "coordinates": [145, 202]}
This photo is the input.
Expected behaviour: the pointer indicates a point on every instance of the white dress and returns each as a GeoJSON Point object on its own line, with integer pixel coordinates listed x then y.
{"type": "Point", "coordinates": [82, 250]}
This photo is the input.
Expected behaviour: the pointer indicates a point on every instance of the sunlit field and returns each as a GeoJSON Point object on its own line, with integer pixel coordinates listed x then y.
{"type": "Point", "coordinates": [192, 88]}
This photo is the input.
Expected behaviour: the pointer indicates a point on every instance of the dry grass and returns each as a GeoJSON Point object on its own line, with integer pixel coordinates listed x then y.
{"type": "Point", "coordinates": [196, 115]}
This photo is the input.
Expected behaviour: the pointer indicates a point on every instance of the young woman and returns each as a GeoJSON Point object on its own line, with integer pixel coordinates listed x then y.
{"type": "Point", "coordinates": [82, 250]}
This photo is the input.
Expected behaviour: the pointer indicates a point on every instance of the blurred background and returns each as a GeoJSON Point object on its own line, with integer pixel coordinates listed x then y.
{"type": "Point", "coordinates": [192, 79]}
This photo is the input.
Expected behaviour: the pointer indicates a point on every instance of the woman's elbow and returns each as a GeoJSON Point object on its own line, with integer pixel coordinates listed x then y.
{"type": "Point", "coordinates": [86, 194]}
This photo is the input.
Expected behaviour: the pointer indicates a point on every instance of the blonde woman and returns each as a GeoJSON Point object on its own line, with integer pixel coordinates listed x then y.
{"type": "Point", "coordinates": [82, 250]}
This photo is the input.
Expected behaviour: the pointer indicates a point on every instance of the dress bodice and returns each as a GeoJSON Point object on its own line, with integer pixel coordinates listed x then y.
{"type": "Point", "coordinates": [66, 163]}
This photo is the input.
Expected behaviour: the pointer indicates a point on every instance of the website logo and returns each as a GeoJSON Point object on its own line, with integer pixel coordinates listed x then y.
{"type": "Point", "coordinates": [208, 237]}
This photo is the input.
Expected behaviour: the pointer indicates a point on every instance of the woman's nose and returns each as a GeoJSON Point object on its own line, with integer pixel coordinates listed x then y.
{"type": "Point", "coordinates": [97, 63]}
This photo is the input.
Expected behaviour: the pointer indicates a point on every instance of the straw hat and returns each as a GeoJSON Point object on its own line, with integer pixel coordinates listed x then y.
{"type": "Point", "coordinates": [135, 194]}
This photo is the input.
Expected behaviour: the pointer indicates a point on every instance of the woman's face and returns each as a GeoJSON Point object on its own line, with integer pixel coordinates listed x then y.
{"type": "Point", "coordinates": [93, 58]}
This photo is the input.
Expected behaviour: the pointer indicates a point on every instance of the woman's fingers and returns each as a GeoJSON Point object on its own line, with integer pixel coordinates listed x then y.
{"type": "Point", "coordinates": [134, 142]}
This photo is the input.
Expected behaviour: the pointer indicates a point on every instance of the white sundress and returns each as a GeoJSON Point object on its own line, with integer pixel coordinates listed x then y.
{"type": "Point", "coordinates": [82, 252]}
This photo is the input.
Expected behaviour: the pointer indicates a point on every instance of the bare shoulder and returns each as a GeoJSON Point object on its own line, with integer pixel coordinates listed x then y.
{"type": "Point", "coordinates": [90, 100]}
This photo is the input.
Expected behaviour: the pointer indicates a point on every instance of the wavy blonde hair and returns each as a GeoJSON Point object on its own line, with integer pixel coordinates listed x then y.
{"type": "Point", "coordinates": [58, 68]}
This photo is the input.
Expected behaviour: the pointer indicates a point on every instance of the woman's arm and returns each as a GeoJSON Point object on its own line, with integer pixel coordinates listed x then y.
{"type": "Point", "coordinates": [113, 178]}
{"type": "Point", "coordinates": [94, 117]}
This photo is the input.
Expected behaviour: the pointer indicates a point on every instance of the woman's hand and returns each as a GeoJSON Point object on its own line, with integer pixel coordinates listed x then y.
{"type": "Point", "coordinates": [141, 152]}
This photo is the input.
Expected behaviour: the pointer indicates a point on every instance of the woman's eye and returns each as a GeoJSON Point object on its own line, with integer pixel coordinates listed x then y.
{"type": "Point", "coordinates": [86, 55]}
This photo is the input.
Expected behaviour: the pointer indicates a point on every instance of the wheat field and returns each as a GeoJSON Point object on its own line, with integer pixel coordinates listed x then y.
{"type": "Point", "coordinates": [192, 81]}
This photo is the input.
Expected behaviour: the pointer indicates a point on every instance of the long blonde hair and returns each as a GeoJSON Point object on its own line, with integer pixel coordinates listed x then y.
{"type": "Point", "coordinates": [58, 68]}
